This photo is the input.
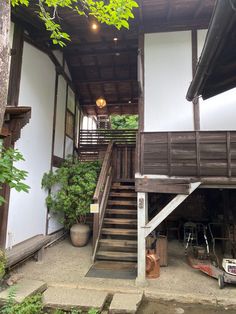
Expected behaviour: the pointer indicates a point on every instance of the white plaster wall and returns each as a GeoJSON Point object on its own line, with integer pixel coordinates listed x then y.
{"type": "Point", "coordinates": [218, 112]}
{"type": "Point", "coordinates": [67, 70]}
{"type": "Point", "coordinates": [11, 33]}
{"type": "Point", "coordinates": [168, 72]}
{"type": "Point", "coordinates": [59, 55]}
{"type": "Point", "coordinates": [27, 212]}
{"type": "Point", "coordinates": [71, 100]}
{"type": "Point", "coordinates": [68, 146]}
{"type": "Point", "coordinates": [60, 118]}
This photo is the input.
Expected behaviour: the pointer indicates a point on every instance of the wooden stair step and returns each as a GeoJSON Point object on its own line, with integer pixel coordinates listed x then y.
{"type": "Point", "coordinates": [120, 221]}
{"type": "Point", "coordinates": [117, 211]}
{"type": "Point", "coordinates": [118, 256]}
{"type": "Point", "coordinates": [118, 243]}
{"type": "Point", "coordinates": [115, 202]}
{"type": "Point", "coordinates": [118, 231]}
{"type": "Point", "coordinates": [123, 187]}
{"type": "Point", "coordinates": [123, 194]}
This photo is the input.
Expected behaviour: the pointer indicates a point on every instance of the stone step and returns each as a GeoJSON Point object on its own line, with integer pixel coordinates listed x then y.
{"type": "Point", "coordinates": [74, 298]}
{"type": "Point", "coordinates": [24, 288]}
{"type": "Point", "coordinates": [125, 303]}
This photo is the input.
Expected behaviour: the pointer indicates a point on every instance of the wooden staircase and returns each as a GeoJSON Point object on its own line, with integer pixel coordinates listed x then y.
{"type": "Point", "coordinates": [118, 238]}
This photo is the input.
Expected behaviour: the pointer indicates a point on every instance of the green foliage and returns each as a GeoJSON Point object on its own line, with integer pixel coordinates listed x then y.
{"type": "Point", "coordinates": [9, 174]}
{"type": "Point", "coordinates": [30, 305]}
{"type": "Point", "coordinates": [110, 12]}
{"type": "Point", "coordinates": [2, 264]}
{"type": "Point", "coordinates": [10, 303]}
{"type": "Point", "coordinates": [124, 122]}
{"type": "Point", "coordinates": [93, 311]}
{"type": "Point", "coordinates": [71, 188]}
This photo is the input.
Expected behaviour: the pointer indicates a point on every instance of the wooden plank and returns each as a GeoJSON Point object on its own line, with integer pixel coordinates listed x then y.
{"type": "Point", "coordinates": [118, 231]}
{"type": "Point", "coordinates": [115, 211]}
{"type": "Point", "coordinates": [16, 64]}
{"type": "Point", "coordinates": [25, 249]}
{"type": "Point", "coordinates": [122, 256]}
{"type": "Point", "coordinates": [120, 221]}
{"type": "Point", "coordinates": [122, 203]}
{"type": "Point", "coordinates": [228, 148]}
{"type": "Point", "coordinates": [168, 209]}
{"type": "Point", "coordinates": [142, 220]}
{"type": "Point", "coordinates": [154, 186]}
{"type": "Point", "coordinates": [118, 243]}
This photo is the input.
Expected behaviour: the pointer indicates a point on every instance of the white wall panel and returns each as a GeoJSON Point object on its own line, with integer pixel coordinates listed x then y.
{"type": "Point", "coordinates": [217, 113]}
{"type": "Point", "coordinates": [59, 56]}
{"type": "Point", "coordinates": [68, 147]}
{"type": "Point", "coordinates": [27, 212]}
{"type": "Point", "coordinates": [60, 117]}
{"type": "Point", "coordinates": [168, 72]}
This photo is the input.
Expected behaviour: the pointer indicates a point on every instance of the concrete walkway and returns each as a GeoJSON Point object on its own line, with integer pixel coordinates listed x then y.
{"type": "Point", "coordinates": [66, 266]}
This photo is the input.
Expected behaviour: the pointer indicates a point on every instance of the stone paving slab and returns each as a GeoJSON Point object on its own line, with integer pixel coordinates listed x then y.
{"type": "Point", "coordinates": [67, 298]}
{"type": "Point", "coordinates": [125, 303]}
{"type": "Point", "coordinates": [24, 288]}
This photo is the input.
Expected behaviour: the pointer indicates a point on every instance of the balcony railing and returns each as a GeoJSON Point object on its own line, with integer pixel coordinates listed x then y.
{"type": "Point", "coordinates": [192, 154]}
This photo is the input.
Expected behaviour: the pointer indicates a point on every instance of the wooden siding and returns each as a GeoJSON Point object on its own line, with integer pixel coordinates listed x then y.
{"type": "Point", "coordinates": [189, 154]}
{"type": "Point", "coordinates": [124, 162]}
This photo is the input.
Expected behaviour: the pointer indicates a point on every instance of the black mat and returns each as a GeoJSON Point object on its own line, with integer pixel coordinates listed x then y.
{"type": "Point", "coordinates": [112, 270]}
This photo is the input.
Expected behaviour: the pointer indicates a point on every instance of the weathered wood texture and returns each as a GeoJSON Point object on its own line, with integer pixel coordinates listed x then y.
{"type": "Point", "coordinates": [124, 162]}
{"type": "Point", "coordinates": [26, 249]}
{"type": "Point", "coordinates": [104, 136]}
{"type": "Point", "coordinates": [5, 8]}
{"type": "Point", "coordinates": [189, 154]}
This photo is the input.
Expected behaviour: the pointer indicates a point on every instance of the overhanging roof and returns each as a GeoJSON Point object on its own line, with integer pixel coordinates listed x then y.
{"type": "Point", "coordinates": [216, 69]}
{"type": "Point", "coordinates": [99, 65]}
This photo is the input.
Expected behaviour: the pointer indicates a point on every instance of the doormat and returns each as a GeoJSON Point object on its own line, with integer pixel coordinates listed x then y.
{"type": "Point", "coordinates": [113, 270]}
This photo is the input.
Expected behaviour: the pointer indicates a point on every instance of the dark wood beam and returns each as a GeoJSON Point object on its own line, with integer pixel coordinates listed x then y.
{"type": "Point", "coordinates": [95, 82]}
{"type": "Point", "coordinates": [16, 63]}
{"type": "Point", "coordinates": [176, 25]}
{"type": "Point", "coordinates": [199, 8]}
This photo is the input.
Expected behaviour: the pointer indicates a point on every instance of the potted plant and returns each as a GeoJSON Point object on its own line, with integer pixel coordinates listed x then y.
{"type": "Point", "coordinates": [71, 188]}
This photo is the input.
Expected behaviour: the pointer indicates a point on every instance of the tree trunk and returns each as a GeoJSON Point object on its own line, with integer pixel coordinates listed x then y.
{"type": "Point", "coordinates": [5, 8]}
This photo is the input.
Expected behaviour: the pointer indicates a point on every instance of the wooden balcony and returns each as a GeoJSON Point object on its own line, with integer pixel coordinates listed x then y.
{"type": "Point", "coordinates": [208, 155]}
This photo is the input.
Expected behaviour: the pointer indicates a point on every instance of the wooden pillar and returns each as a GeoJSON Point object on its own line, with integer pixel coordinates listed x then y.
{"type": "Point", "coordinates": [142, 220]}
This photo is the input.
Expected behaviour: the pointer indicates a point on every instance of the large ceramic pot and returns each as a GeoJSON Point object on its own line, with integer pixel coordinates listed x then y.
{"type": "Point", "coordinates": [79, 234]}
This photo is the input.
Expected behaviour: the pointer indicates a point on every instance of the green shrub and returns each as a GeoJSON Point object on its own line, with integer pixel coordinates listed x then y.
{"type": "Point", "coordinates": [30, 305]}
{"type": "Point", "coordinates": [71, 188]}
{"type": "Point", "coordinates": [2, 264]}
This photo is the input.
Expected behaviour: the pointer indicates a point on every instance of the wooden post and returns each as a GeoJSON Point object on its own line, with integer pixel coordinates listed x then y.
{"type": "Point", "coordinates": [142, 220]}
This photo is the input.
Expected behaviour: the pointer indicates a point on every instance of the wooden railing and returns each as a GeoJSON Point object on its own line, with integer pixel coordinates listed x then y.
{"type": "Point", "coordinates": [195, 154]}
{"type": "Point", "coordinates": [103, 137]}
{"type": "Point", "coordinates": [101, 195]}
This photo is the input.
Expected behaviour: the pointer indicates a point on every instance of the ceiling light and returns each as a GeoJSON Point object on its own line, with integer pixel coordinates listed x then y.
{"type": "Point", "coordinates": [94, 26]}
{"type": "Point", "coordinates": [101, 102]}
{"type": "Point", "coordinates": [115, 38]}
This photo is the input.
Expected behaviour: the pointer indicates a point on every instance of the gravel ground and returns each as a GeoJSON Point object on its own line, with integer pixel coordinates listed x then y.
{"type": "Point", "coordinates": [65, 265]}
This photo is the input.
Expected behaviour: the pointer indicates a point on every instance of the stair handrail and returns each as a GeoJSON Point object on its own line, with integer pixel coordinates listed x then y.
{"type": "Point", "coordinates": [101, 196]}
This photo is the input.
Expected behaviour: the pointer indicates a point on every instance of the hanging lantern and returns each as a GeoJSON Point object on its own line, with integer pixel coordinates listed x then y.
{"type": "Point", "coordinates": [101, 102]}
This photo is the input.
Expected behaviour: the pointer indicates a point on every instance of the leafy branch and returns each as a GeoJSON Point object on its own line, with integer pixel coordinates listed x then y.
{"type": "Point", "coordinates": [9, 174]}
{"type": "Point", "coordinates": [110, 12]}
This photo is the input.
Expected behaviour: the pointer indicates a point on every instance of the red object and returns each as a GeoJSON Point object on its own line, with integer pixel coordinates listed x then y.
{"type": "Point", "coordinates": [152, 265]}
